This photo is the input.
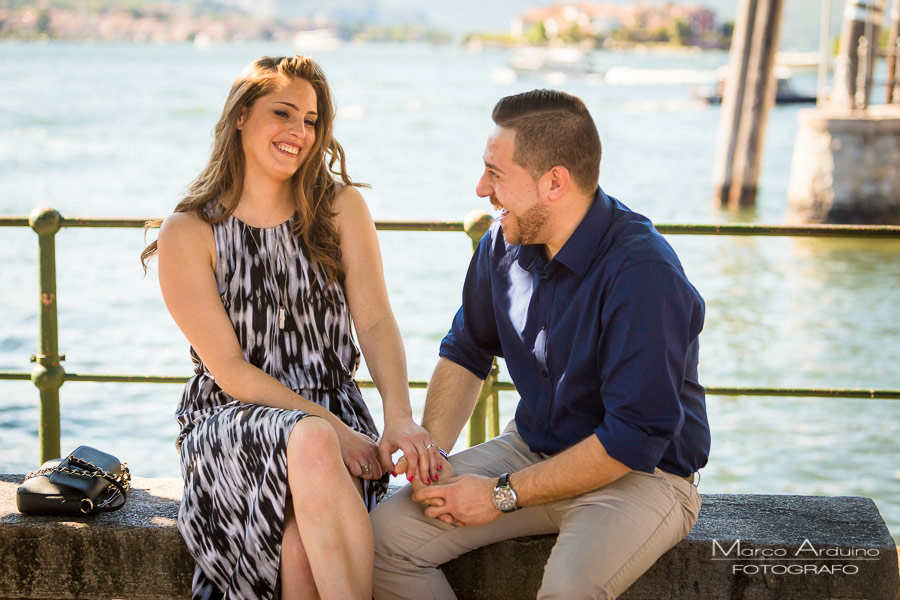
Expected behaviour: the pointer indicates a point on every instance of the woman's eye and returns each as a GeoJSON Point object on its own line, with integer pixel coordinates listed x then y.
{"type": "Point", "coordinates": [281, 113]}
{"type": "Point", "coordinates": [310, 123]}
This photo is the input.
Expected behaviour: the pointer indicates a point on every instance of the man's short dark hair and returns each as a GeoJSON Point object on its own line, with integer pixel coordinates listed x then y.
{"type": "Point", "coordinates": [552, 128]}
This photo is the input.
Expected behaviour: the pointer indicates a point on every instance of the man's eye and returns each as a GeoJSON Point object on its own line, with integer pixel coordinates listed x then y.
{"type": "Point", "coordinates": [492, 175]}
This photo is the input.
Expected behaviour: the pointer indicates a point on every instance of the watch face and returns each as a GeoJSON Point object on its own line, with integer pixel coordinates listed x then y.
{"type": "Point", "coordinates": [504, 499]}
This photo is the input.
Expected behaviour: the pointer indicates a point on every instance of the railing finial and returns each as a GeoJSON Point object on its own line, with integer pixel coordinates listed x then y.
{"type": "Point", "coordinates": [477, 222]}
{"type": "Point", "coordinates": [44, 220]}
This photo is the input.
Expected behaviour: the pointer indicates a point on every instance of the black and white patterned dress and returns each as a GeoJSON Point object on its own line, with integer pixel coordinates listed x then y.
{"type": "Point", "coordinates": [233, 455]}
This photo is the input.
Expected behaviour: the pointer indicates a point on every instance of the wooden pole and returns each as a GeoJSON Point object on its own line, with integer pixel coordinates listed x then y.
{"type": "Point", "coordinates": [824, 53]}
{"type": "Point", "coordinates": [748, 96]}
{"type": "Point", "coordinates": [862, 18]}
{"type": "Point", "coordinates": [733, 100]}
{"type": "Point", "coordinates": [893, 47]}
{"type": "Point", "coordinates": [758, 102]}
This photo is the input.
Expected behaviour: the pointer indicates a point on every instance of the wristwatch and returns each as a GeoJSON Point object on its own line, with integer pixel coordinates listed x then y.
{"type": "Point", "coordinates": [504, 496]}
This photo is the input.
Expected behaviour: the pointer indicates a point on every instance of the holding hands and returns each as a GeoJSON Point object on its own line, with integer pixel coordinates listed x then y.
{"type": "Point", "coordinates": [421, 460]}
{"type": "Point", "coordinates": [463, 500]}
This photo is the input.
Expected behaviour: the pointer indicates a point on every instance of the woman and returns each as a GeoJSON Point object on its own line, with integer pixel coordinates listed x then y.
{"type": "Point", "coordinates": [262, 266]}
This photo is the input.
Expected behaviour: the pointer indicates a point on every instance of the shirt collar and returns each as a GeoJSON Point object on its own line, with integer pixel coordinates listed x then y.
{"type": "Point", "coordinates": [578, 252]}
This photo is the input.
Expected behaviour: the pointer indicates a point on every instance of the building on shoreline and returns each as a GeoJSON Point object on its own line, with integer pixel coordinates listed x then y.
{"type": "Point", "coordinates": [687, 25]}
{"type": "Point", "coordinates": [163, 22]}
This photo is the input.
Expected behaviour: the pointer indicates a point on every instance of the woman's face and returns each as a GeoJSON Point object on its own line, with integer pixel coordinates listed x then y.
{"type": "Point", "coordinates": [278, 130]}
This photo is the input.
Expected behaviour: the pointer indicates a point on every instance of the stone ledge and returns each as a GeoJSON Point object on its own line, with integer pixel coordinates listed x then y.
{"type": "Point", "coordinates": [137, 553]}
{"type": "Point", "coordinates": [883, 118]}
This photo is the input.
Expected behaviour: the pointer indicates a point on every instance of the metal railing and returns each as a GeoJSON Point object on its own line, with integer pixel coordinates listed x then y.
{"type": "Point", "coordinates": [48, 374]}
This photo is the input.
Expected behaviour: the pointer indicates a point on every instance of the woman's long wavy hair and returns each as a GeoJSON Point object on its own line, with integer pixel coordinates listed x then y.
{"type": "Point", "coordinates": [313, 186]}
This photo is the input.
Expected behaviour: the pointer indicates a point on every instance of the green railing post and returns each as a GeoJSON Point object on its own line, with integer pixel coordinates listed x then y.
{"type": "Point", "coordinates": [48, 375]}
{"type": "Point", "coordinates": [487, 410]}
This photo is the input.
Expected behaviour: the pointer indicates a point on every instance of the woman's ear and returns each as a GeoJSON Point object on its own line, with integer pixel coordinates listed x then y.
{"type": "Point", "coordinates": [241, 117]}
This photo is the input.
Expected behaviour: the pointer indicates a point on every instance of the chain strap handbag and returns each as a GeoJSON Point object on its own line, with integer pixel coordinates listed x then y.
{"type": "Point", "coordinates": [84, 482]}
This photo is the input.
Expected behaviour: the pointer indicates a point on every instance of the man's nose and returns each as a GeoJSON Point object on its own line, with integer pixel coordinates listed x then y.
{"type": "Point", "coordinates": [483, 188]}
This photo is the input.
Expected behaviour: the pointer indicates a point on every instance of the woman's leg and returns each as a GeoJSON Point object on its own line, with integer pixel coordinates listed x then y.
{"type": "Point", "coordinates": [296, 575]}
{"type": "Point", "coordinates": [332, 522]}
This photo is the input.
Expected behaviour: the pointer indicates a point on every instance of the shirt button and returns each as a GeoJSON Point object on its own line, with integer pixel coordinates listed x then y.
{"type": "Point", "coordinates": [543, 326]}
{"type": "Point", "coordinates": [544, 374]}
{"type": "Point", "coordinates": [540, 423]}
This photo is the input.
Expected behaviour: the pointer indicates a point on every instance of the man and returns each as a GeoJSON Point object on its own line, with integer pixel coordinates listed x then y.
{"type": "Point", "coordinates": [598, 324]}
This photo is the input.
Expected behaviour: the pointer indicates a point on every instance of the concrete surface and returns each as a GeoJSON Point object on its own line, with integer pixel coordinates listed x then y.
{"type": "Point", "coordinates": [137, 553]}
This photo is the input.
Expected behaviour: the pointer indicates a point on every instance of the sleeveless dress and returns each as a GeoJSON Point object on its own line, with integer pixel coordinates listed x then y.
{"type": "Point", "coordinates": [233, 455]}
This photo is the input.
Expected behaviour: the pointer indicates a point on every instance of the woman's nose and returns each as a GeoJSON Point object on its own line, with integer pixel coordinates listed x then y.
{"type": "Point", "coordinates": [298, 131]}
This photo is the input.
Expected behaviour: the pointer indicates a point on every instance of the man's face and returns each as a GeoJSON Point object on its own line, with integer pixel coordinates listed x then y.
{"type": "Point", "coordinates": [512, 190]}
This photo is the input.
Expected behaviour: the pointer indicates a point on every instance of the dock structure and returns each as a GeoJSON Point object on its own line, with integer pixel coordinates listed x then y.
{"type": "Point", "coordinates": [846, 162]}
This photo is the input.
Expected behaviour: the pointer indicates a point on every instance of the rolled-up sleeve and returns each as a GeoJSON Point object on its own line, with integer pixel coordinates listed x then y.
{"type": "Point", "coordinates": [473, 341]}
{"type": "Point", "coordinates": [648, 322]}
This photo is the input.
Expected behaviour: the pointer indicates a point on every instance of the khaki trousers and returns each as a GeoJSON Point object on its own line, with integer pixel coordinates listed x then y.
{"type": "Point", "coordinates": [607, 538]}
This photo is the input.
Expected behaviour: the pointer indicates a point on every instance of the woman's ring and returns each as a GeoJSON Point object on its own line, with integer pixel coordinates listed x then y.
{"type": "Point", "coordinates": [429, 446]}
{"type": "Point", "coordinates": [366, 468]}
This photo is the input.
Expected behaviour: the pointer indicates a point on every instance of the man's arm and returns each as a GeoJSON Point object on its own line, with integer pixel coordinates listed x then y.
{"type": "Point", "coordinates": [577, 470]}
{"type": "Point", "coordinates": [452, 394]}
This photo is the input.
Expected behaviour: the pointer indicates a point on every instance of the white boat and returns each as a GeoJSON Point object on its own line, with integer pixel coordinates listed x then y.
{"type": "Point", "coordinates": [315, 40]}
{"type": "Point", "coordinates": [566, 60]}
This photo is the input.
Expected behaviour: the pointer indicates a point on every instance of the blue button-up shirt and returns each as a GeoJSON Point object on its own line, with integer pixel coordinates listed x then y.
{"type": "Point", "coordinates": [602, 339]}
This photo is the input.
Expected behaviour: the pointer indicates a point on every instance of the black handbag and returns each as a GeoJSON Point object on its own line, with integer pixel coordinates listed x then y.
{"type": "Point", "coordinates": [84, 482]}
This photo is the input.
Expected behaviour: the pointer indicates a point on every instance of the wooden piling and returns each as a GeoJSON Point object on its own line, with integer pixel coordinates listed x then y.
{"type": "Point", "coordinates": [852, 85]}
{"type": "Point", "coordinates": [747, 99]}
{"type": "Point", "coordinates": [893, 48]}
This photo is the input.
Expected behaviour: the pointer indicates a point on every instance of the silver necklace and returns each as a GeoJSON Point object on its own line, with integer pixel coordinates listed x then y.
{"type": "Point", "coordinates": [282, 313]}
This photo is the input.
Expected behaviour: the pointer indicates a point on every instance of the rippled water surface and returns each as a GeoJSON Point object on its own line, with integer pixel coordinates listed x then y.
{"type": "Point", "coordinates": [120, 130]}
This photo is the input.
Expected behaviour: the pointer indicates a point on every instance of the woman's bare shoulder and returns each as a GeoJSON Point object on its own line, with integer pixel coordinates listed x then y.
{"type": "Point", "coordinates": [185, 228]}
{"type": "Point", "coordinates": [350, 203]}
{"type": "Point", "coordinates": [184, 223]}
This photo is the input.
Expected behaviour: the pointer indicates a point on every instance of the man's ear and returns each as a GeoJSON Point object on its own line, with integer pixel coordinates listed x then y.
{"type": "Point", "coordinates": [556, 182]}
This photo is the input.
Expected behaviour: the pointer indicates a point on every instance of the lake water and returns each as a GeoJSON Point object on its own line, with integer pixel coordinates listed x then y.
{"type": "Point", "coordinates": [120, 130]}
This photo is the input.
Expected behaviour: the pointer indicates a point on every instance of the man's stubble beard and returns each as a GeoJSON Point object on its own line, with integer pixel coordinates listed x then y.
{"type": "Point", "coordinates": [530, 225]}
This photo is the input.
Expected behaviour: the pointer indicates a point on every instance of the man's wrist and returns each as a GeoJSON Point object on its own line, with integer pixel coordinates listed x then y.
{"type": "Point", "coordinates": [515, 482]}
{"type": "Point", "coordinates": [504, 496]}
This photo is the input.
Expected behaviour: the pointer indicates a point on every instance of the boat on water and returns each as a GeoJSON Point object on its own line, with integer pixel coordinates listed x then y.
{"type": "Point", "coordinates": [315, 40]}
{"type": "Point", "coordinates": [568, 60]}
{"type": "Point", "coordinates": [784, 92]}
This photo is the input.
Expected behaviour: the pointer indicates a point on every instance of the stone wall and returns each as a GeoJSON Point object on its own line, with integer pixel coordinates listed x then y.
{"type": "Point", "coordinates": [840, 545]}
{"type": "Point", "coordinates": [846, 167]}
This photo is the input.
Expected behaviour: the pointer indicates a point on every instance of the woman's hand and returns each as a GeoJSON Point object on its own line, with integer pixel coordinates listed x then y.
{"type": "Point", "coordinates": [421, 457]}
{"type": "Point", "coordinates": [360, 454]}
{"type": "Point", "coordinates": [447, 474]}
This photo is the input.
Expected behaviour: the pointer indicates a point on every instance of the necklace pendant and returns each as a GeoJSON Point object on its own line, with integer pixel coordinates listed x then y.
{"type": "Point", "coordinates": [281, 317]}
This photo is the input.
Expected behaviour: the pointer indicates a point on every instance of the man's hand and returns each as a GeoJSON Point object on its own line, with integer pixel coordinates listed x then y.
{"type": "Point", "coordinates": [466, 500]}
{"type": "Point", "coordinates": [445, 470]}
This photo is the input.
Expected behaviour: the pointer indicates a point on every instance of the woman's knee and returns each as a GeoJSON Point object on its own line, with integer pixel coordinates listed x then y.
{"type": "Point", "coordinates": [313, 443]}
